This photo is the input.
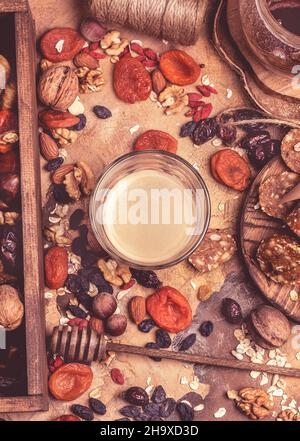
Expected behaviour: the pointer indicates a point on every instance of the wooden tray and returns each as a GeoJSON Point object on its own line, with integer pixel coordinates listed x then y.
{"type": "Point", "coordinates": [264, 94]}
{"type": "Point", "coordinates": [36, 398]}
{"type": "Point", "coordinates": [256, 226]}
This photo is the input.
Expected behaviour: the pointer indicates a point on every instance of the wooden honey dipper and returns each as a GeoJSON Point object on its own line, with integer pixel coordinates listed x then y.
{"type": "Point", "coordinates": [87, 346]}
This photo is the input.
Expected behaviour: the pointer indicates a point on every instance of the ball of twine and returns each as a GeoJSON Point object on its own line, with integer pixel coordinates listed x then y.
{"type": "Point", "coordinates": [175, 20]}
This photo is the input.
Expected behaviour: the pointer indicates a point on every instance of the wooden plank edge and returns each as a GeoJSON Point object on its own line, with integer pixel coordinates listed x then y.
{"type": "Point", "coordinates": [24, 404]}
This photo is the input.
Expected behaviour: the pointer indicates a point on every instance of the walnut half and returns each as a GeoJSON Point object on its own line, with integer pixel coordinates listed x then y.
{"type": "Point", "coordinates": [255, 403]}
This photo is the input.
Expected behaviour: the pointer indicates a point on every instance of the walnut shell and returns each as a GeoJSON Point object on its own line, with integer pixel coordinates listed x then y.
{"type": "Point", "coordinates": [58, 87]}
{"type": "Point", "coordinates": [11, 308]}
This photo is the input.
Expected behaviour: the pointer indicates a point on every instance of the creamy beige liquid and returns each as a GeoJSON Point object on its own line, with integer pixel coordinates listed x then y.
{"type": "Point", "coordinates": [144, 227]}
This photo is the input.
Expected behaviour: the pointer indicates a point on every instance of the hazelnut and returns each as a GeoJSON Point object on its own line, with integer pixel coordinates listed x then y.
{"type": "Point", "coordinates": [96, 325]}
{"type": "Point", "coordinates": [9, 187]}
{"type": "Point", "coordinates": [268, 327]}
{"type": "Point", "coordinates": [11, 308]}
{"type": "Point", "coordinates": [104, 305]}
{"type": "Point", "coordinates": [116, 325]}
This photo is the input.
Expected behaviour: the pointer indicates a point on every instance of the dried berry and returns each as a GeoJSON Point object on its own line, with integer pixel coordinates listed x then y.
{"type": "Point", "coordinates": [77, 311]}
{"type": "Point", "coordinates": [261, 154]}
{"type": "Point", "coordinates": [152, 409]}
{"type": "Point", "coordinates": [67, 418]}
{"type": "Point", "coordinates": [232, 311]}
{"type": "Point", "coordinates": [206, 328]}
{"type": "Point", "coordinates": [227, 134]}
{"type": "Point", "coordinates": [254, 139]}
{"type": "Point", "coordinates": [97, 406]}
{"type": "Point", "coordinates": [102, 112]}
{"type": "Point", "coordinates": [187, 343]}
{"type": "Point", "coordinates": [82, 412]}
{"type": "Point", "coordinates": [148, 279]}
{"type": "Point", "coordinates": [247, 114]}
{"type": "Point", "coordinates": [83, 233]}
{"type": "Point", "coordinates": [85, 300]}
{"type": "Point", "coordinates": [185, 412]}
{"type": "Point", "coordinates": [76, 219]}
{"type": "Point", "coordinates": [146, 325]}
{"type": "Point", "coordinates": [123, 419]}
{"type": "Point", "coordinates": [60, 195]}
{"type": "Point", "coordinates": [10, 252]}
{"type": "Point", "coordinates": [167, 407]}
{"type": "Point", "coordinates": [187, 129]}
{"type": "Point", "coordinates": [85, 285]}
{"type": "Point", "coordinates": [136, 396]}
{"type": "Point", "coordinates": [81, 125]}
{"type": "Point", "coordinates": [117, 376]}
{"type": "Point", "coordinates": [96, 277]}
{"type": "Point", "coordinates": [73, 283]}
{"type": "Point", "coordinates": [54, 164]}
{"type": "Point", "coordinates": [152, 345]}
{"type": "Point", "coordinates": [142, 417]}
{"type": "Point", "coordinates": [163, 339]}
{"type": "Point", "coordinates": [130, 411]}
{"type": "Point", "coordinates": [78, 247]}
{"type": "Point", "coordinates": [159, 395]}
{"type": "Point", "coordinates": [204, 131]}
{"type": "Point", "coordinates": [88, 258]}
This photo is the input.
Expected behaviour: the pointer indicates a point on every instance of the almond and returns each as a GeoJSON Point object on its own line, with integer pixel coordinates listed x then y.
{"type": "Point", "coordinates": [158, 81]}
{"type": "Point", "coordinates": [137, 309]}
{"type": "Point", "coordinates": [86, 60]}
{"type": "Point", "coordinates": [58, 175]}
{"type": "Point", "coordinates": [49, 148]}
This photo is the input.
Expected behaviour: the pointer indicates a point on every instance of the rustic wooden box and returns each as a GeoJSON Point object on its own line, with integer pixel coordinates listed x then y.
{"type": "Point", "coordinates": [20, 26]}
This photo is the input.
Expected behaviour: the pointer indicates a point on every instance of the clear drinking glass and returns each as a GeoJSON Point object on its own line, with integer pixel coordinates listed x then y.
{"type": "Point", "coordinates": [190, 193]}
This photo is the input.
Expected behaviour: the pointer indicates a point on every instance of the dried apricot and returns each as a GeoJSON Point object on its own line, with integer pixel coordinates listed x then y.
{"type": "Point", "coordinates": [169, 309]}
{"type": "Point", "coordinates": [8, 121]}
{"type": "Point", "coordinates": [54, 119]}
{"type": "Point", "coordinates": [56, 267]}
{"type": "Point", "coordinates": [67, 418]}
{"type": "Point", "coordinates": [132, 81]}
{"type": "Point", "coordinates": [70, 381]}
{"type": "Point", "coordinates": [179, 67]}
{"type": "Point", "coordinates": [61, 44]}
{"type": "Point", "coordinates": [156, 139]}
{"type": "Point", "coordinates": [231, 169]}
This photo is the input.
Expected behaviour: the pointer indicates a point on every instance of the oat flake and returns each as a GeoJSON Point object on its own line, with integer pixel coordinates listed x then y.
{"type": "Point", "coordinates": [233, 395]}
{"type": "Point", "coordinates": [59, 46]}
{"type": "Point", "coordinates": [205, 80]}
{"type": "Point", "coordinates": [183, 380]}
{"type": "Point", "coordinates": [199, 408]}
{"type": "Point", "coordinates": [229, 93]}
{"type": "Point", "coordinates": [217, 142]}
{"type": "Point", "coordinates": [294, 296]}
{"type": "Point", "coordinates": [255, 374]}
{"type": "Point", "coordinates": [220, 413]}
{"type": "Point", "coordinates": [134, 129]}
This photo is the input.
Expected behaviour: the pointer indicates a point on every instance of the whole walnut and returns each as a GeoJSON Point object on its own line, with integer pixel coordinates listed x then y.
{"type": "Point", "coordinates": [58, 87]}
{"type": "Point", "coordinates": [11, 308]}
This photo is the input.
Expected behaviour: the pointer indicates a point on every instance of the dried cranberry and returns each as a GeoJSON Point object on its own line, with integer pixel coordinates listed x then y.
{"type": "Point", "coordinates": [82, 412]}
{"type": "Point", "coordinates": [163, 339]}
{"type": "Point", "coordinates": [146, 325]}
{"type": "Point", "coordinates": [148, 279]}
{"type": "Point", "coordinates": [60, 195]}
{"type": "Point", "coordinates": [204, 131]}
{"type": "Point", "coordinates": [82, 123]}
{"type": "Point", "coordinates": [187, 129]}
{"type": "Point", "coordinates": [185, 412]}
{"type": "Point", "coordinates": [232, 311]}
{"type": "Point", "coordinates": [76, 219]}
{"type": "Point", "coordinates": [152, 345]}
{"type": "Point", "coordinates": [55, 364]}
{"type": "Point", "coordinates": [227, 134]}
{"type": "Point", "coordinates": [102, 112]}
{"type": "Point", "coordinates": [77, 311]}
{"type": "Point", "coordinates": [117, 376]}
{"type": "Point", "coordinates": [206, 328]}
{"type": "Point", "coordinates": [53, 164]}
{"type": "Point", "coordinates": [128, 285]}
{"type": "Point", "coordinates": [97, 406]}
{"type": "Point", "coordinates": [159, 395]}
{"type": "Point", "coordinates": [167, 407]}
{"type": "Point", "coordinates": [187, 343]}
{"type": "Point", "coordinates": [137, 396]}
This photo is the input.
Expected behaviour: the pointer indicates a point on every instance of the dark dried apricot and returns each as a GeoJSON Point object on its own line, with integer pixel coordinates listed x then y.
{"type": "Point", "coordinates": [156, 139]}
{"type": "Point", "coordinates": [179, 67]}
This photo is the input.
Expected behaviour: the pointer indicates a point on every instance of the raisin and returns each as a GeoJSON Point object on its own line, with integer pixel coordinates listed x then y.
{"type": "Point", "coordinates": [82, 412]}
{"type": "Point", "coordinates": [81, 125]}
{"type": "Point", "coordinates": [77, 311]}
{"type": "Point", "coordinates": [78, 247]}
{"type": "Point", "coordinates": [204, 131]}
{"type": "Point", "coordinates": [85, 300]}
{"type": "Point", "coordinates": [73, 283]}
{"type": "Point", "coordinates": [242, 114]}
{"type": "Point", "coordinates": [84, 283]}
{"type": "Point", "coordinates": [185, 412]}
{"type": "Point", "coordinates": [123, 419]}
{"type": "Point", "coordinates": [142, 417]}
{"type": "Point", "coordinates": [261, 154]}
{"type": "Point", "coordinates": [152, 409]}
{"type": "Point", "coordinates": [148, 279]}
{"type": "Point", "coordinates": [159, 395]}
{"type": "Point", "coordinates": [130, 411]}
{"type": "Point", "coordinates": [60, 195]}
{"type": "Point", "coordinates": [102, 112]}
{"type": "Point", "coordinates": [232, 311]}
{"type": "Point", "coordinates": [76, 219]}
{"type": "Point", "coordinates": [167, 407]}
{"type": "Point", "coordinates": [53, 164]}
{"type": "Point", "coordinates": [152, 345]}
{"type": "Point", "coordinates": [187, 343]}
{"type": "Point", "coordinates": [146, 325]}
{"type": "Point", "coordinates": [88, 258]}
{"type": "Point", "coordinates": [206, 328]}
{"type": "Point", "coordinates": [227, 134]}
{"type": "Point", "coordinates": [163, 339]}
{"type": "Point", "coordinates": [253, 139]}
{"type": "Point", "coordinates": [97, 279]}
{"type": "Point", "coordinates": [97, 406]}
{"type": "Point", "coordinates": [83, 233]}
{"type": "Point", "coordinates": [137, 396]}
{"type": "Point", "coordinates": [187, 129]}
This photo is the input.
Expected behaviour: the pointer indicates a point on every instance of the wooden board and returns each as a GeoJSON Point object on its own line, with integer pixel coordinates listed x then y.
{"type": "Point", "coordinates": [31, 215]}
{"type": "Point", "coordinates": [256, 226]}
{"type": "Point", "coordinates": [266, 98]}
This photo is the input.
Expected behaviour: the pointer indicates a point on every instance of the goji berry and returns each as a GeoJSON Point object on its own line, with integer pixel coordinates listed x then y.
{"type": "Point", "coordinates": [128, 285]}
{"type": "Point", "coordinates": [211, 89]}
{"type": "Point", "coordinates": [137, 48]}
{"type": "Point", "coordinates": [150, 63]}
{"type": "Point", "coordinates": [117, 376]}
{"type": "Point", "coordinates": [97, 55]}
{"type": "Point", "coordinates": [206, 111]}
{"type": "Point", "coordinates": [56, 363]}
{"type": "Point", "coordinates": [151, 54]}
{"type": "Point", "coordinates": [204, 91]}
{"type": "Point", "coordinates": [94, 46]}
